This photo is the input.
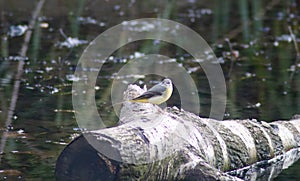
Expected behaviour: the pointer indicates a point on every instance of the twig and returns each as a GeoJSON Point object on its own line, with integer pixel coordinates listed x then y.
{"type": "Point", "coordinates": [232, 57]}
{"type": "Point", "coordinates": [18, 76]}
{"type": "Point", "coordinates": [297, 51]}
{"type": "Point", "coordinates": [62, 33]}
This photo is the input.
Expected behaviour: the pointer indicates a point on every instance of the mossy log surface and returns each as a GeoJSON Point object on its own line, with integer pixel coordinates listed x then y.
{"type": "Point", "coordinates": [171, 144]}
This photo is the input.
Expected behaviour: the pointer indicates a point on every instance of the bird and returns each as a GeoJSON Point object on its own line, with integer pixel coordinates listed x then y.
{"type": "Point", "coordinates": [157, 94]}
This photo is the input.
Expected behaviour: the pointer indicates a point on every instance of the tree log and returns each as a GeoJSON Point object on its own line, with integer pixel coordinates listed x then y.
{"type": "Point", "coordinates": [171, 144]}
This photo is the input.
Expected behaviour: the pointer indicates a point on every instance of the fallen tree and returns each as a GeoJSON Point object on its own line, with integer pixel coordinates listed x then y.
{"type": "Point", "coordinates": [171, 144]}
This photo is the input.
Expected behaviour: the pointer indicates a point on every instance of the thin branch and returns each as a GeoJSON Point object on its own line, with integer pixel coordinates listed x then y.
{"type": "Point", "coordinates": [18, 76]}
{"type": "Point", "coordinates": [62, 33]}
{"type": "Point", "coordinates": [232, 57]}
{"type": "Point", "coordinates": [297, 51]}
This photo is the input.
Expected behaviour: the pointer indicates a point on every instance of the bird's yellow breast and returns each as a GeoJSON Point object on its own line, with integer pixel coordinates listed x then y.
{"type": "Point", "coordinates": [162, 98]}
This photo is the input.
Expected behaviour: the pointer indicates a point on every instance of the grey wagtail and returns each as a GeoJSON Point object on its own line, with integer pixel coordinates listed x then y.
{"type": "Point", "coordinates": [158, 94]}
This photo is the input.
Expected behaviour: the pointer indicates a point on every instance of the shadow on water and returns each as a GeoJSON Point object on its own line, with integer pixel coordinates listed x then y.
{"type": "Point", "coordinates": [257, 61]}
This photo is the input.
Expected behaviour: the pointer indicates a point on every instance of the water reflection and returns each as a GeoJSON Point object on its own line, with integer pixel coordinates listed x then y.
{"type": "Point", "coordinates": [259, 84]}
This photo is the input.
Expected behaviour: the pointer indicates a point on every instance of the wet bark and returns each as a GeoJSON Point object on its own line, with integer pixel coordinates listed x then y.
{"type": "Point", "coordinates": [171, 144]}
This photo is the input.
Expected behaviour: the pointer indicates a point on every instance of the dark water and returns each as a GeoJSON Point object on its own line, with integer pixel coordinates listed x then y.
{"type": "Point", "coordinates": [262, 73]}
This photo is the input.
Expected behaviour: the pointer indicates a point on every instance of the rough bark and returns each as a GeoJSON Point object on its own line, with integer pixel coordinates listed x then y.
{"type": "Point", "coordinates": [171, 144]}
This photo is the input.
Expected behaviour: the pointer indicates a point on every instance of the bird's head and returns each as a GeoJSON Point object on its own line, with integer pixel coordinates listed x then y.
{"type": "Point", "coordinates": [167, 82]}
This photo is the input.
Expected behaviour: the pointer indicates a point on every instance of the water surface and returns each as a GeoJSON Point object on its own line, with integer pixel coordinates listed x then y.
{"type": "Point", "coordinates": [259, 63]}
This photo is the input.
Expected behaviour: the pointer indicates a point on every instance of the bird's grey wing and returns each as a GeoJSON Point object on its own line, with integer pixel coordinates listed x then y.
{"type": "Point", "coordinates": [156, 90]}
{"type": "Point", "coordinates": [146, 95]}
{"type": "Point", "coordinates": [159, 89]}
